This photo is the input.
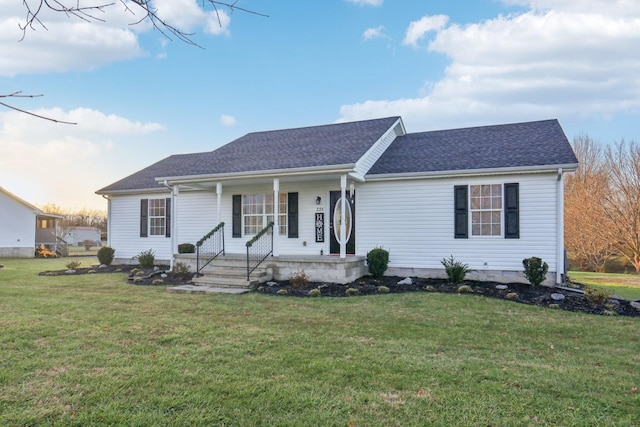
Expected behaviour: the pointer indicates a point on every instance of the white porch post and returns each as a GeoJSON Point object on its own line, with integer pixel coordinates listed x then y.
{"type": "Point", "coordinates": [276, 219]}
{"type": "Point", "coordinates": [219, 203]}
{"type": "Point", "coordinates": [343, 222]}
{"type": "Point", "coordinates": [174, 229]}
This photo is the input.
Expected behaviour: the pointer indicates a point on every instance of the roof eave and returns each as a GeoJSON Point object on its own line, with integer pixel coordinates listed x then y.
{"type": "Point", "coordinates": [272, 173]}
{"type": "Point", "coordinates": [568, 167]}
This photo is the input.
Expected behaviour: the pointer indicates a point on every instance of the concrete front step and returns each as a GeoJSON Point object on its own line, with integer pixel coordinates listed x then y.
{"type": "Point", "coordinates": [227, 272]}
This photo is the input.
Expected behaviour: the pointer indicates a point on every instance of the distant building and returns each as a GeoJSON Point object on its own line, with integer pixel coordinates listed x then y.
{"type": "Point", "coordinates": [76, 236]}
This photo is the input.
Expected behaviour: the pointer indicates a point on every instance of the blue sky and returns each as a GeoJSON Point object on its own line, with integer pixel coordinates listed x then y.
{"type": "Point", "coordinates": [138, 97]}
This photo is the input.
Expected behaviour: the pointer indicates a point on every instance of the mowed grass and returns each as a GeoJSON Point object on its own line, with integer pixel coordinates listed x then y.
{"type": "Point", "coordinates": [623, 285]}
{"type": "Point", "coordinates": [93, 350]}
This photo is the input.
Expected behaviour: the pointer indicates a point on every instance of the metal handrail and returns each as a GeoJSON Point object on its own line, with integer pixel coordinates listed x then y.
{"type": "Point", "coordinates": [259, 248]}
{"type": "Point", "coordinates": [209, 247]}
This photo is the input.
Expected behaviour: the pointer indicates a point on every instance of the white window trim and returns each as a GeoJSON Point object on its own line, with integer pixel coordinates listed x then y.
{"type": "Point", "coordinates": [501, 210]}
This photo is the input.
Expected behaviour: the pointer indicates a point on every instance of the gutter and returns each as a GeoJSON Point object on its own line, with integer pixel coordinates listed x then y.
{"type": "Point", "coordinates": [320, 170]}
{"type": "Point", "coordinates": [570, 167]}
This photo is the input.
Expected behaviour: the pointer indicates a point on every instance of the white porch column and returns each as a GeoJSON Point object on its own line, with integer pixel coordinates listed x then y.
{"type": "Point", "coordinates": [343, 221]}
{"type": "Point", "coordinates": [276, 214]}
{"type": "Point", "coordinates": [219, 203]}
{"type": "Point", "coordinates": [175, 191]}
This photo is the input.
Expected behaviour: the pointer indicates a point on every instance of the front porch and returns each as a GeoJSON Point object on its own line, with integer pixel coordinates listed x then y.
{"type": "Point", "coordinates": [318, 268]}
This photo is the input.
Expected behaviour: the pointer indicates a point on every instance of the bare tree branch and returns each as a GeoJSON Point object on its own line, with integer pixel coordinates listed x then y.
{"type": "Point", "coordinates": [20, 95]}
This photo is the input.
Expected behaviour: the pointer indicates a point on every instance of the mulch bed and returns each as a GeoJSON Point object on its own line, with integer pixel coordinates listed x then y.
{"type": "Point", "coordinates": [367, 286]}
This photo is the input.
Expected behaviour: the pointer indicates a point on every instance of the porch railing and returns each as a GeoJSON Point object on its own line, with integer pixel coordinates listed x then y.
{"type": "Point", "coordinates": [209, 247]}
{"type": "Point", "coordinates": [259, 248]}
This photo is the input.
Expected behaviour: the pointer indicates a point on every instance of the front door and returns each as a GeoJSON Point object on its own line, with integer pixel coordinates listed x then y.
{"type": "Point", "coordinates": [334, 222]}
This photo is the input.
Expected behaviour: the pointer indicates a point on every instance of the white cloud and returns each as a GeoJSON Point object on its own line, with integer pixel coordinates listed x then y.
{"type": "Point", "coordinates": [374, 3]}
{"type": "Point", "coordinates": [227, 120]}
{"type": "Point", "coordinates": [560, 59]}
{"type": "Point", "coordinates": [374, 33]}
{"type": "Point", "coordinates": [65, 164]}
{"type": "Point", "coordinates": [418, 29]}
{"type": "Point", "coordinates": [67, 43]}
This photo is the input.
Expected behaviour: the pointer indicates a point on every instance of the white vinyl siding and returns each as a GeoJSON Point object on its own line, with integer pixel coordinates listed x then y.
{"type": "Point", "coordinates": [125, 230]}
{"type": "Point", "coordinates": [17, 228]}
{"type": "Point", "coordinates": [373, 154]}
{"type": "Point", "coordinates": [414, 220]}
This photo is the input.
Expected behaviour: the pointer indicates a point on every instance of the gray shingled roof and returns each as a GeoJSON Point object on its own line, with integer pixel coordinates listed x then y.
{"type": "Point", "coordinates": [541, 143]}
{"type": "Point", "coordinates": [486, 147]}
{"type": "Point", "coordinates": [308, 147]}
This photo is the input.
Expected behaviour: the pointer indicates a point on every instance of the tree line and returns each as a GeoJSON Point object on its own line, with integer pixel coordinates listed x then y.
{"type": "Point", "coordinates": [77, 218]}
{"type": "Point", "coordinates": [602, 205]}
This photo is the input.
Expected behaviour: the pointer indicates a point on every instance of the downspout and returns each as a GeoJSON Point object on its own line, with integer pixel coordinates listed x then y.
{"type": "Point", "coordinates": [174, 231]}
{"type": "Point", "coordinates": [108, 199]}
{"type": "Point", "coordinates": [560, 258]}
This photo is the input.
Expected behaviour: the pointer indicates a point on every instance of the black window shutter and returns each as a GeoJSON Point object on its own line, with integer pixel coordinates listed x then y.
{"type": "Point", "coordinates": [144, 217]}
{"type": "Point", "coordinates": [167, 218]}
{"type": "Point", "coordinates": [461, 214]}
{"type": "Point", "coordinates": [512, 211]}
{"type": "Point", "coordinates": [237, 216]}
{"type": "Point", "coordinates": [292, 215]}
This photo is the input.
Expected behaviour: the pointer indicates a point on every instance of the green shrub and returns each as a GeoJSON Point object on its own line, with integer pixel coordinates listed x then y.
{"type": "Point", "coordinates": [105, 255]}
{"type": "Point", "coordinates": [535, 270]}
{"type": "Point", "coordinates": [456, 270]}
{"type": "Point", "coordinates": [73, 265]}
{"type": "Point", "coordinates": [377, 261]}
{"type": "Point", "coordinates": [299, 280]}
{"type": "Point", "coordinates": [147, 258]}
{"type": "Point", "coordinates": [596, 296]}
{"type": "Point", "coordinates": [186, 248]}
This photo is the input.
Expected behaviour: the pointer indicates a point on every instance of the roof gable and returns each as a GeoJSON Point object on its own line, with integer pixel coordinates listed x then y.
{"type": "Point", "coordinates": [540, 143]}
{"type": "Point", "coordinates": [276, 150]}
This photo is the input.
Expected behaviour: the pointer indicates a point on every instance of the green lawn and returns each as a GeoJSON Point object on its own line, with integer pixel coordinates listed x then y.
{"type": "Point", "coordinates": [92, 350]}
{"type": "Point", "coordinates": [623, 285]}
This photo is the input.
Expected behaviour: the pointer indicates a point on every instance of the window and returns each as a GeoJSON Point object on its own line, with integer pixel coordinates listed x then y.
{"type": "Point", "coordinates": [155, 217]}
{"type": "Point", "coordinates": [486, 210]}
{"type": "Point", "coordinates": [258, 211]}
{"type": "Point", "coordinates": [493, 207]}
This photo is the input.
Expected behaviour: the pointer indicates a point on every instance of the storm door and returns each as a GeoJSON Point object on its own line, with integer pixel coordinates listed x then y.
{"type": "Point", "coordinates": [334, 224]}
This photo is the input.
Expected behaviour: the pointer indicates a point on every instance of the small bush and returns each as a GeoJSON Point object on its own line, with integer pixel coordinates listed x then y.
{"type": "Point", "coordinates": [147, 258]}
{"type": "Point", "coordinates": [186, 248]}
{"type": "Point", "coordinates": [511, 296]}
{"type": "Point", "coordinates": [105, 255]}
{"type": "Point", "coordinates": [282, 292]}
{"type": "Point", "coordinates": [299, 280]}
{"type": "Point", "coordinates": [73, 265]}
{"type": "Point", "coordinates": [596, 296]}
{"type": "Point", "coordinates": [157, 282]}
{"type": "Point", "coordinates": [383, 289]}
{"type": "Point", "coordinates": [377, 261]}
{"type": "Point", "coordinates": [182, 270]}
{"type": "Point", "coordinates": [314, 292]}
{"type": "Point", "coordinates": [465, 289]}
{"type": "Point", "coordinates": [535, 270]}
{"type": "Point", "coordinates": [351, 292]}
{"type": "Point", "coordinates": [456, 270]}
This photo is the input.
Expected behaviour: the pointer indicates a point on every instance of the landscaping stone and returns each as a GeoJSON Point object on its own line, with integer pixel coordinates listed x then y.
{"type": "Point", "coordinates": [406, 281]}
{"type": "Point", "coordinates": [502, 287]}
{"type": "Point", "coordinates": [635, 304]}
{"type": "Point", "coordinates": [557, 297]}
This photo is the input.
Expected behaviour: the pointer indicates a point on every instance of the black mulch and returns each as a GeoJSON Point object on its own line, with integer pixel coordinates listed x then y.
{"type": "Point", "coordinates": [521, 293]}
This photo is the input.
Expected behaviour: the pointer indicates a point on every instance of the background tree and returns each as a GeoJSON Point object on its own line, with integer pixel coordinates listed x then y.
{"type": "Point", "coordinates": [622, 202]}
{"type": "Point", "coordinates": [588, 229]}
